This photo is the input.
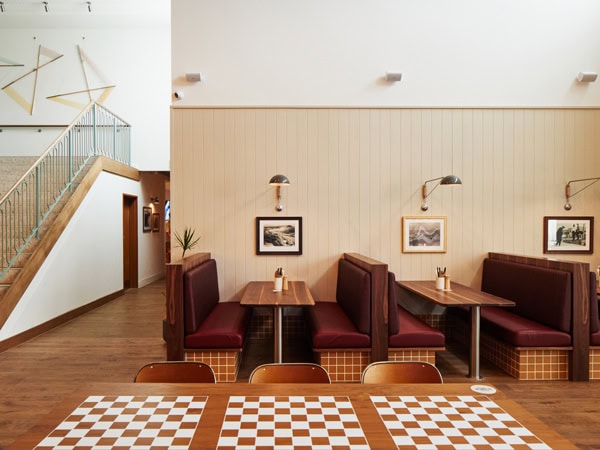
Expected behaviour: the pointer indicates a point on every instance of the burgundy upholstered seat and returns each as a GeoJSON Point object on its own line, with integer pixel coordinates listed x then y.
{"type": "Point", "coordinates": [406, 330]}
{"type": "Point", "coordinates": [345, 323]}
{"type": "Point", "coordinates": [594, 319]}
{"type": "Point", "coordinates": [332, 328]}
{"type": "Point", "coordinates": [209, 323]}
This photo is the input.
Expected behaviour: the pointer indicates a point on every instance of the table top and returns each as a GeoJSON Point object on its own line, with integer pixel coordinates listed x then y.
{"type": "Point", "coordinates": [459, 295]}
{"type": "Point", "coordinates": [260, 293]}
{"type": "Point", "coordinates": [229, 415]}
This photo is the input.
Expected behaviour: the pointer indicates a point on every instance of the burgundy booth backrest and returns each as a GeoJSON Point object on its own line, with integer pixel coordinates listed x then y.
{"type": "Point", "coordinates": [200, 294]}
{"type": "Point", "coordinates": [353, 294]}
{"type": "Point", "coordinates": [393, 322]}
{"type": "Point", "coordinates": [542, 295]}
{"type": "Point", "coordinates": [594, 320]}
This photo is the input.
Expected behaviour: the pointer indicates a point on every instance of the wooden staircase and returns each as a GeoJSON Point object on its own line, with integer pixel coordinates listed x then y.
{"type": "Point", "coordinates": [14, 283]}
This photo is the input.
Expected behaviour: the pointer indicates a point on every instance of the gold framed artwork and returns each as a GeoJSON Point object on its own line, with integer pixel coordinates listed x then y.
{"type": "Point", "coordinates": [422, 234]}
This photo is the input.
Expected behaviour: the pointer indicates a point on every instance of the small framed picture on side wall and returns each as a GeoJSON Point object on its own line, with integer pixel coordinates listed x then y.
{"type": "Point", "coordinates": [146, 219]}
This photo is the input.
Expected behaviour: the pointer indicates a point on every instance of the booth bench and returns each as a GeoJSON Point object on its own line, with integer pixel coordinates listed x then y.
{"type": "Point", "coordinates": [354, 331]}
{"type": "Point", "coordinates": [546, 335]}
{"type": "Point", "coordinates": [410, 339]}
{"type": "Point", "coordinates": [197, 326]}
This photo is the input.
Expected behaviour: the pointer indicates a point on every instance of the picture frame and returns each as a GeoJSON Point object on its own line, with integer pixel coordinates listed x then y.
{"type": "Point", "coordinates": [156, 222]}
{"type": "Point", "coordinates": [422, 234]}
{"type": "Point", "coordinates": [279, 235]}
{"type": "Point", "coordinates": [569, 234]}
{"type": "Point", "coordinates": [146, 219]}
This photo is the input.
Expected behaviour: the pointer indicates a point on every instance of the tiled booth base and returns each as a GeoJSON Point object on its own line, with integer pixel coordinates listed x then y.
{"type": "Point", "coordinates": [225, 363]}
{"type": "Point", "coordinates": [344, 366]}
{"type": "Point", "coordinates": [423, 354]}
{"type": "Point", "coordinates": [526, 363]}
{"type": "Point", "coordinates": [594, 363]}
{"type": "Point", "coordinates": [522, 363]}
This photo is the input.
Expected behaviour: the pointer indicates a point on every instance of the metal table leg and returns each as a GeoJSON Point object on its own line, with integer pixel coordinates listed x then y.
{"type": "Point", "coordinates": [475, 335]}
{"type": "Point", "coordinates": [278, 333]}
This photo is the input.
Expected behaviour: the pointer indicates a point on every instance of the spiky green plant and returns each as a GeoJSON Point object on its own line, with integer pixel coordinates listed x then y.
{"type": "Point", "coordinates": [187, 241]}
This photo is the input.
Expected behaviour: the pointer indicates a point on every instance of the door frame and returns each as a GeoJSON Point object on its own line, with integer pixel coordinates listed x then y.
{"type": "Point", "coordinates": [130, 240]}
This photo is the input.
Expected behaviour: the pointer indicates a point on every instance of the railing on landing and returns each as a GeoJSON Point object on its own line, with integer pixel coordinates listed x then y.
{"type": "Point", "coordinates": [95, 132]}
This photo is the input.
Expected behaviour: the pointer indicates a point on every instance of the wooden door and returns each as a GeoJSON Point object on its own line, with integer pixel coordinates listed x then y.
{"type": "Point", "coordinates": [130, 245]}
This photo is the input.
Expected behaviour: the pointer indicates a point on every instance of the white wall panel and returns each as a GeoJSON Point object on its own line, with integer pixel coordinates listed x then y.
{"type": "Point", "coordinates": [355, 172]}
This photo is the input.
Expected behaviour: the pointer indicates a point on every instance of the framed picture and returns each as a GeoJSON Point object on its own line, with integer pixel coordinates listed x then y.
{"type": "Point", "coordinates": [569, 234]}
{"type": "Point", "coordinates": [279, 235]}
{"type": "Point", "coordinates": [423, 234]}
{"type": "Point", "coordinates": [156, 222]}
{"type": "Point", "coordinates": [146, 224]}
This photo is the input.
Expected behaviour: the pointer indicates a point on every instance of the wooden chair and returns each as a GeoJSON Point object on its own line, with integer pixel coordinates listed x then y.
{"type": "Point", "coordinates": [289, 373]}
{"type": "Point", "coordinates": [389, 372]}
{"type": "Point", "coordinates": [175, 372]}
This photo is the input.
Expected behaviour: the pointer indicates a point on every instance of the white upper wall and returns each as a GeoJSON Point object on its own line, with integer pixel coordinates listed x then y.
{"type": "Point", "coordinates": [336, 52]}
{"type": "Point", "coordinates": [126, 47]}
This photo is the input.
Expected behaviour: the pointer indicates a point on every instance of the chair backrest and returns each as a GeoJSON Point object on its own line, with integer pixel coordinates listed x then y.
{"type": "Point", "coordinates": [175, 372]}
{"type": "Point", "coordinates": [289, 373]}
{"type": "Point", "coordinates": [389, 372]}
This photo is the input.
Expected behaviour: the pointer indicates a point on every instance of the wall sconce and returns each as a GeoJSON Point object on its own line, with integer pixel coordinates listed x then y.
{"type": "Point", "coordinates": [155, 200]}
{"type": "Point", "coordinates": [45, 6]}
{"type": "Point", "coordinates": [448, 180]}
{"type": "Point", "coordinates": [1, 6]}
{"type": "Point", "coordinates": [587, 77]}
{"type": "Point", "coordinates": [279, 180]}
{"type": "Point", "coordinates": [89, 5]}
{"type": "Point", "coordinates": [568, 193]}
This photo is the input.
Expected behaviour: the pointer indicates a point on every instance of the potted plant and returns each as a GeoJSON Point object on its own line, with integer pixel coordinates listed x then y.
{"type": "Point", "coordinates": [187, 241]}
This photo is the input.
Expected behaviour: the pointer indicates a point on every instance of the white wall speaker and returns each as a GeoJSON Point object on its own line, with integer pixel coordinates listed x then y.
{"type": "Point", "coordinates": [393, 77]}
{"type": "Point", "coordinates": [587, 77]}
{"type": "Point", "coordinates": [193, 77]}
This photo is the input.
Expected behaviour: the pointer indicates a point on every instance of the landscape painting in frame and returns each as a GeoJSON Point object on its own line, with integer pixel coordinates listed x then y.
{"type": "Point", "coordinates": [569, 234]}
{"type": "Point", "coordinates": [279, 235]}
{"type": "Point", "coordinates": [423, 234]}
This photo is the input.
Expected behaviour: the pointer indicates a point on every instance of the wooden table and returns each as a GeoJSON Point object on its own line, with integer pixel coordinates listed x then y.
{"type": "Point", "coordinates": [207, 431]}
{"type": "Point", "coordinates": [460, 295]}
{"type": "Point", "coordinates": [261, 293]}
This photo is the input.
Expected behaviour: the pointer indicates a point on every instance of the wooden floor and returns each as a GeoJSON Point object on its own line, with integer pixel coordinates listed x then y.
{"type": "Point", "coordinates": [113, 341]}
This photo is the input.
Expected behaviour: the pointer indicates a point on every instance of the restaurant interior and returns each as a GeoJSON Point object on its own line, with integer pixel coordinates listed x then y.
{"type": "Point", "coordinates": [336, 226]}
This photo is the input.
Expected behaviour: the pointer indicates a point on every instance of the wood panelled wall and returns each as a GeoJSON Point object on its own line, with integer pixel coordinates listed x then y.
{"type": "Point", "coordinates": [356, 172]}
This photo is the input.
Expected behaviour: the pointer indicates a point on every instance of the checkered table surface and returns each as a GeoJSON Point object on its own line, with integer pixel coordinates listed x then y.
{"type": "Point", "coordinates": [465, 422]}
{"type": "Point", "coordinates": [144, 422]}
{"type": "Point", "coordinates": [291, 422]}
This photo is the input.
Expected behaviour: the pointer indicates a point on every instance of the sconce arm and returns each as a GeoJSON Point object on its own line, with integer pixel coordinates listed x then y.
{"type": "Point", "coordinates": [568, 193]}
{"type": "Point", "coordinates": [424, 192]}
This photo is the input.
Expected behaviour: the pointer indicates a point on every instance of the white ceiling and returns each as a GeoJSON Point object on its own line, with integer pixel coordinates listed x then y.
{"type": "Point", "coordinates": [76, 13]}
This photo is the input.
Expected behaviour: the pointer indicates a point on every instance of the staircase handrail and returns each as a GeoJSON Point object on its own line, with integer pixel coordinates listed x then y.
{"type": "Point", "coordinates": [96, 131]}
